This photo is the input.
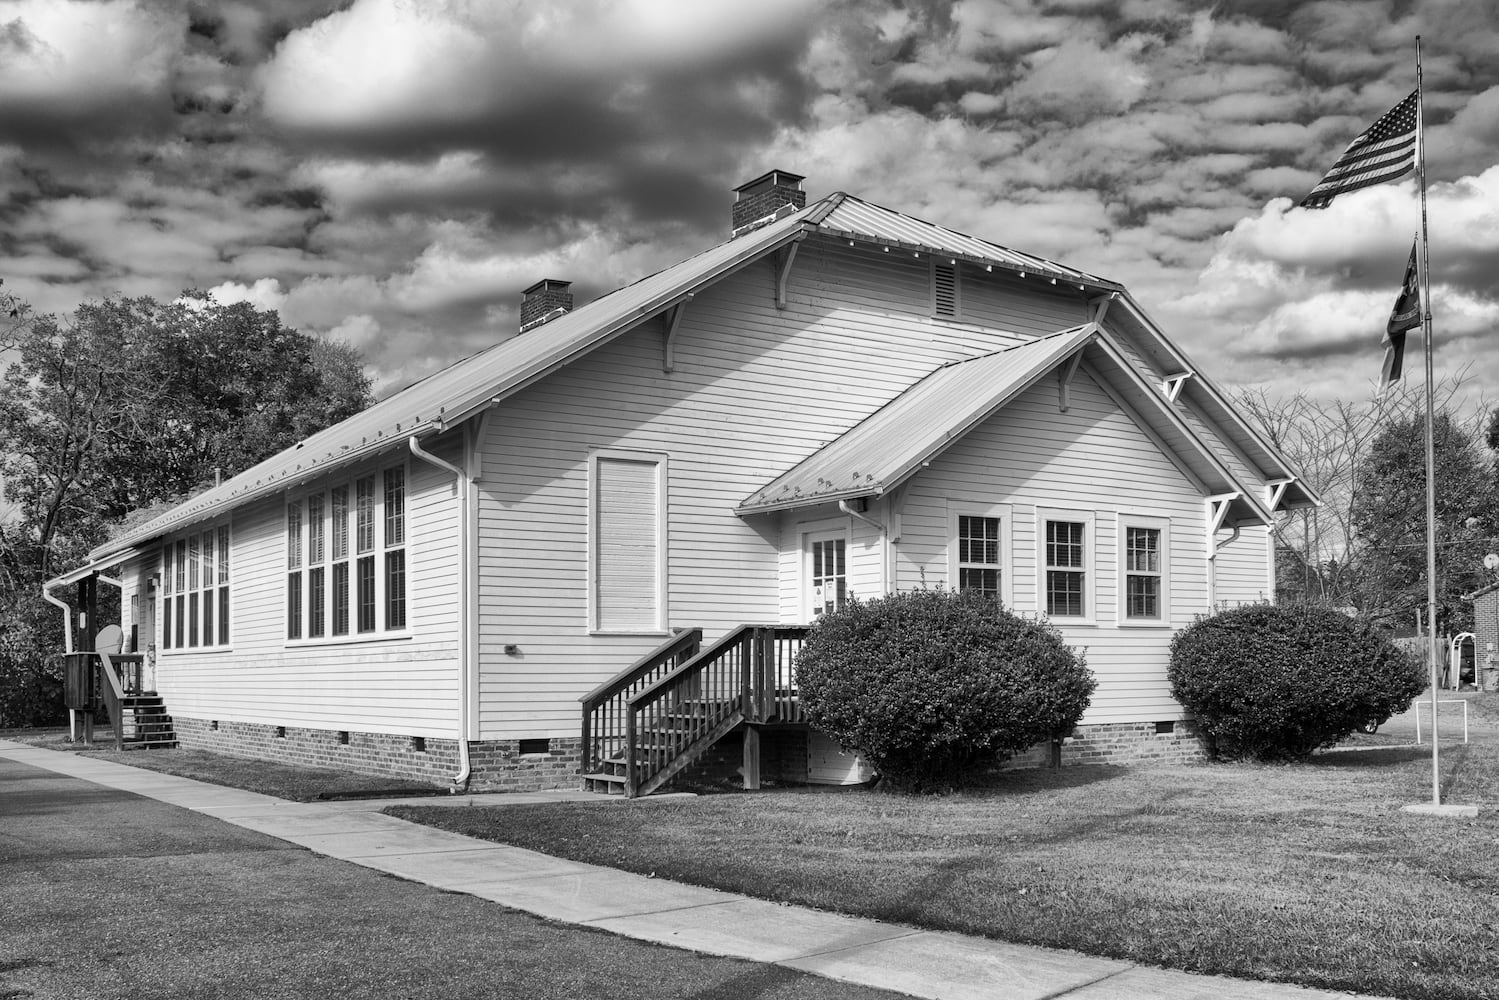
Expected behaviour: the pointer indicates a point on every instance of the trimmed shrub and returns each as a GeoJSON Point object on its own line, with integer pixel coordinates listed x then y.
{"type": "Point", "coordinates": [1276, 682]}
{"type": "Point", "coordinates": [931, 685]}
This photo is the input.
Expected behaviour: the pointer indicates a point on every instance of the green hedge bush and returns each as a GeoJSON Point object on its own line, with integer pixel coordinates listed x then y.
{"type": "Point", "coordinates": [1275, 682]}
{"type": "Point", "coordinates": [930, 685]}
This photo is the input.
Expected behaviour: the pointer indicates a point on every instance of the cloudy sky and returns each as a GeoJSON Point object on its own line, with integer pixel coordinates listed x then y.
{"type": "Point", "coordinates": [393, 172]}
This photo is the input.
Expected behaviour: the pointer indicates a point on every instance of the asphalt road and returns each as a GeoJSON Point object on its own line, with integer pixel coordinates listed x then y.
{"type": "Point", "coordinates": [109, 895]}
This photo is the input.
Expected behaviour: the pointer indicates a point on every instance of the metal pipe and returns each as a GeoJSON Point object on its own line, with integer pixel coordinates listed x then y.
{"type": "Point", "coordinates": [465, 664]}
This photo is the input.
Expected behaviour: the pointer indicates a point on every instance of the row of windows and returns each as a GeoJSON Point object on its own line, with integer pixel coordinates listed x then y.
{"type": "Point", "coordinates": [346, 558]}
{"type": "Point", "coordinates": [195, 590]}
{"type": "Point", "coordinates": [1066, 564]}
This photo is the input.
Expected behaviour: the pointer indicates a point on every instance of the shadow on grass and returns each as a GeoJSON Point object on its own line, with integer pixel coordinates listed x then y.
{"type": "Point", "coordinates": [1391, 756]}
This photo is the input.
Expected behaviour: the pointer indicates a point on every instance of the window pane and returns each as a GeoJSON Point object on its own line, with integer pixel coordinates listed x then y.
{"type": "Point", "coordinates": [395, 589]}
{"type": "Point", "coordinates": [983, 581]}
{"type": "Point", "coordinates": [166, 569]}
{"type": "Point", "coordinates": [315, 529]}
{"type": "Point", "coordinates": [341, 598]}
{"type": "Point", "coordinates": [208, 618]}
{"type": "Point", "coordinates": [1143, 596]}
{"type": "Point", "coordinates": [1144, 550]}
{"type": "Point", "coordinates": [1064, 543]}
{"type": "Point", "coordinates": [364, 514]}
{"type": "Point", "coordinates": [395, 507]}
{"type": "Point", "coordinates": [223, 558]}
{"type": "Point", "coordinates": [366, 594]}
{"type": "Point", "coordinates": [829, 583]}
{"type": "Point", "coordinates": [294, 605]}
{"type": "Point", "coordinates": [166, 624]}
{"type": "Point", "coordinates": [208, 564]}
{"type": "Point", "coordinates": [181, 576]}
{"type": "Point", "coordinates": [293, 536]}
{"type": "Point", "coordinates": [1064, 593]}
{"type": "Point", "coordinates": [340, 506]}
{"type": "Point", "coordinates": [223, 616]}
{"type": "Point", "coordinates": [192, 563]}
{"type": "Point", "coordinates": [178, 635]}
{"type": "Point", "coordinates": [316, 612]}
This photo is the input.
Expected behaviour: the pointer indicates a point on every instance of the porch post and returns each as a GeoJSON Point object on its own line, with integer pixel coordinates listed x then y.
{"type": "Point", "coordinates": [751, 758]}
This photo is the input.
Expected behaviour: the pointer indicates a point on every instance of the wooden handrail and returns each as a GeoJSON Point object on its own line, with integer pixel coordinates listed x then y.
{"type": "Point", "coordinates": [114, 696]}
{"type": "Point", "coordinates": [746, 676]}
{"type": "Point", "coordinates": [605, 728]}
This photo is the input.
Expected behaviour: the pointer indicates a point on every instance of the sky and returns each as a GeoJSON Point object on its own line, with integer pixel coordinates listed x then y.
{"type": "Point", "coordinates": [392, 173]}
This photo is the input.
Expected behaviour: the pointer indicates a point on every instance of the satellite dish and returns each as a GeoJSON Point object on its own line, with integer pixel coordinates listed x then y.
{"type": "Point", "coordinates": [1491, 561]}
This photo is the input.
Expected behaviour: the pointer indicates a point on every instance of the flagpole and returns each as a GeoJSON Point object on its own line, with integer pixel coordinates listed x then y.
{"type": "Point", "coordinates": [1433, 645]}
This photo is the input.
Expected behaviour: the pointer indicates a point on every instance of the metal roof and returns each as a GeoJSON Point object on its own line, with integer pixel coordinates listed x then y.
{"type": "Point", "coordinates": [881, 451]}
{"type": "Point", "coordinates": [445, 399]}
{"type": "Point", "coordinates": [859, 219]}
{"type": "Point", "coordinates": [896, 441]}
{"type": "Point", "coordinates": [452, 395]}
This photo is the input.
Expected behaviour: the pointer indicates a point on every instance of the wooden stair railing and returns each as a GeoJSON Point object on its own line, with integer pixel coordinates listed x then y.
{"type": "Point", "coordinates": [604, 706]}
{"type": "Point", "coordinates": [745, 677]}
{"type": "Point", "coordinates": [94, 682]}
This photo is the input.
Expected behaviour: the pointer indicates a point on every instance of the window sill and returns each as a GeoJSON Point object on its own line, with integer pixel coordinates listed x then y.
{"type": "Point", "coordinates": [347, 640]}
{"type": "Point", "coordinates": [1143, 623]}
{"type": "Point", "coordinates": [191, 650]}
{"type": "Point", "coordinates": [658, 633]}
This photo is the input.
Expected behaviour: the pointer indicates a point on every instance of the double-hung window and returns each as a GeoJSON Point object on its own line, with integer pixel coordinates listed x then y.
{"type": "Point", "coordinates": [978, 550]}
{"type": "Point", "coordinates": [346, 558]}
{"type": "Point", "coordinates": [1065, 560]}
{"type": "Point", "coordinates": [1143, 586]}
{"type": "Point", "coordinates": [195, 590]}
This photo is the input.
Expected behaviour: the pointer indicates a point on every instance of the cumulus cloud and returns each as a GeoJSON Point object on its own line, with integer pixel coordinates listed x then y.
{"type": "Point", "coordinates": [265, 293]}
{"type": "Point", "coordinates": [67, 65]}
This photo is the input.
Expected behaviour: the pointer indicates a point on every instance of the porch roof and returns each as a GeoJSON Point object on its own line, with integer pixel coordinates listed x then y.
{"type": "Point", "coordinates": [898, 440]}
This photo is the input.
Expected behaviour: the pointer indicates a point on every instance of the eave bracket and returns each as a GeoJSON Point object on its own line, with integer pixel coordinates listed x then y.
{"type": "Point", "coordinates": [673, 319]}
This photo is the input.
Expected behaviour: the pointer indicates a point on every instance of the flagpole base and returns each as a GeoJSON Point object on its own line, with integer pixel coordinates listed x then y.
{"type": "Point", "coordinates": [1444, 811]}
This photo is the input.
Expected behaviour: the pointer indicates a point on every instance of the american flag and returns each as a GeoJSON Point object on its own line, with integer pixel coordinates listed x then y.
{"type": "Point", "coordinates": [1405, 316]}
{"type": "Point", "coordinates": [1382, 152]}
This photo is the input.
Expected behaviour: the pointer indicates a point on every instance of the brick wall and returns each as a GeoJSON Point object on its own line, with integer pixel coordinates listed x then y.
{"type": "Point", "coordinates": [1123, 743]}
{"type": "Point", "coordinates": [496, 765]}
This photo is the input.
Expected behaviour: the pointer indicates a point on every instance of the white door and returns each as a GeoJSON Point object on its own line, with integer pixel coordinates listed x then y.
{"type": "Point", "coordinates": [825, 573]}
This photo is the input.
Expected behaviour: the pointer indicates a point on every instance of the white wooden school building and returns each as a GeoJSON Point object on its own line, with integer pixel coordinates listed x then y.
{"type": "Point", "coordinates": [837, 401]}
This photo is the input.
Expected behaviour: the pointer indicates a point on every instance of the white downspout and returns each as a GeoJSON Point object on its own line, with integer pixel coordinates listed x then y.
{"type": "Point", "coordinates": [465, 561]}
{"type": "Point", "coordinates": [67, 618]}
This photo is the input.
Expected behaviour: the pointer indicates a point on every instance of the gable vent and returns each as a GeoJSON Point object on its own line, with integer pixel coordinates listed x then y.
{"type": "Point", "coordinates": [944, 289]}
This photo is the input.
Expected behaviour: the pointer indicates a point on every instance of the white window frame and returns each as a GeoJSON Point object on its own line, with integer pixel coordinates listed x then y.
{"type": "Point", "coordinates": [660, 624]}
{"type": "Point", "coordinates": [1089, 568]}
{"type": "Point", "coordinates": [383, 547]}
{"type": "Point", "coordinates": [1163, 525]}
{"type": "Point", "coordinates": [957, 287]}
{"type": "Point", "coordinates": [821, 531]}
{"type": "Point", "coordinates": [221, 589]}
{"type": "Point", "coordinates": [1006, 564]}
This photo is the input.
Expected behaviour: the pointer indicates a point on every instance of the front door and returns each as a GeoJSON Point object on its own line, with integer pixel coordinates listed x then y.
{"type": "Point", "coordinates": [826, 572]}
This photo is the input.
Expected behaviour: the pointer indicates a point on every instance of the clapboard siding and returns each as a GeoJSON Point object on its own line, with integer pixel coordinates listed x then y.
{"type": "Point", "coordinates": [1242, 569]}
{"type": "Point", "coordinates": [1031, 455]}
{"type": "Point", "coordinates": [395, 685]}
{"type": "Point", "coordinates": [754, 389]}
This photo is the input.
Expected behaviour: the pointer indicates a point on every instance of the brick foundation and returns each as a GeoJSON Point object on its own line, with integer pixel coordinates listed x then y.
{"type": "Point", "coordinates": [1123, 743]}
{"type": "Point", "coordinates": [496, 765]}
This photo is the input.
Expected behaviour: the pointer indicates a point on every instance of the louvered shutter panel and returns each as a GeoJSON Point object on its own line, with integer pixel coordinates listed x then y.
{"type": "Point", "coordinates": [626, 520]}
{"type": "Point", "coordinates": [944, 289]}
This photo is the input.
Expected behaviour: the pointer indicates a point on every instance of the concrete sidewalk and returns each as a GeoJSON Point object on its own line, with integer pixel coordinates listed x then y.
{"type": "Point", "coordinates": [888, 956]}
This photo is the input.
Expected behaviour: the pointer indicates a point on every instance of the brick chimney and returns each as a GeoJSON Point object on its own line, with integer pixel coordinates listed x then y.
{"type": "Point", "coordinates": [544, 301]}
{"type": "Point", "coordinates": [763, 197]}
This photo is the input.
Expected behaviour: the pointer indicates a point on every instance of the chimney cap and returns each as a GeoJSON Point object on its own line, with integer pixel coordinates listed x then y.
{"type": "Point", "coordinates": [770, 178]}
{"type": "Point", "coordinates": [547, 284]}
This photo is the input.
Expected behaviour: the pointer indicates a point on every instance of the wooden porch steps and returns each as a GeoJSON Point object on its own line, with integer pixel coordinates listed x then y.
{"type": "Point", "coordinates": [147, 726]}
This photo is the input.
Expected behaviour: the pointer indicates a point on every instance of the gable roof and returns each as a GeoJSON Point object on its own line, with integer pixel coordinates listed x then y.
{"type": "Point", "coordinates": [899, 439]}
{"type": "Point", "coordinates": [447, 398]}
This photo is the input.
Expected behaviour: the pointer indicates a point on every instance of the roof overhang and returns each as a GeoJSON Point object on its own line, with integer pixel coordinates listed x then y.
{"type": "Point", "coordinates": [91, 567]}
{"type": "Point", "coordinates": [880, 453]}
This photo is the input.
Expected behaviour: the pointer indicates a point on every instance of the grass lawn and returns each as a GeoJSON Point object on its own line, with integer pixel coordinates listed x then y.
{"type": "Point", "coordinates": [1306, 873]}
{"type": "Point", "coordinates": [286, 781]}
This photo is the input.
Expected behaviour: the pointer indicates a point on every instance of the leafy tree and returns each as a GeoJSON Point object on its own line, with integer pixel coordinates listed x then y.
{"type": "Point", "coordinates": [130, 403]}
{"type": "Point", "coordinates": [1389, 515]}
